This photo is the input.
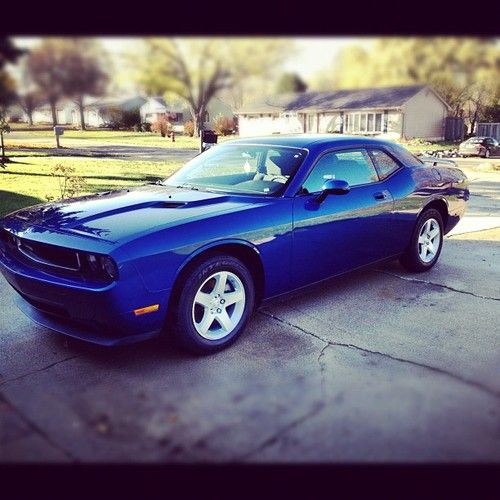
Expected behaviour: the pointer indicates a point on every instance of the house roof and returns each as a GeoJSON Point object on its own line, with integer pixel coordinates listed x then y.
{"type": "Point", "coordinates": [159, 100]}
{"type": "Point", "coordinates": [171, 107]}
{"type": "Point", "coordinates": [371, 98]}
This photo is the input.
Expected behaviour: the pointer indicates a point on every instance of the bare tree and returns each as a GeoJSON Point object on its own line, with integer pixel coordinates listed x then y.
{"type": "Point", "coordinates": [84, 75]}
{"type": "Point", "coordinates": [28, 102]}
{"type": "Point", "coordinates": [8, 54]}
{"type": "Point", "coordinates": [44, 68]}
{"type": "Point", "coordinates": [198, 70]}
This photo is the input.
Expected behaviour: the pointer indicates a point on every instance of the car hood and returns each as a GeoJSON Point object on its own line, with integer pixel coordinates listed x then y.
{"type": "Point", "coordinates": [122, 214]}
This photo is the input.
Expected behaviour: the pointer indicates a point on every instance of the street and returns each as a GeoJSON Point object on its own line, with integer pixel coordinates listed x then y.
{"type": "Point", "coordinates": [376, 366]}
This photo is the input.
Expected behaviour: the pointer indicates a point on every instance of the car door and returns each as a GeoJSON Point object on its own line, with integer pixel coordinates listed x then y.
{"type": "Point", "coordinates": [344, 231]}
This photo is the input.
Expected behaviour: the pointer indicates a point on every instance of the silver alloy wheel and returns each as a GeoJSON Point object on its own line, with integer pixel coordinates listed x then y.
{"type": "Point", "coordinates": [487, 153]}
{"type": "Point", "coordinates": [429, 240]}
{"type": "Point", "coordinates": [218, 305]}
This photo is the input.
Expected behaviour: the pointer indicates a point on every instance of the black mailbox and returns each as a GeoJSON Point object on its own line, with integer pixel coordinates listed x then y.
{"type": "Point", "coordinates": [208, 139]}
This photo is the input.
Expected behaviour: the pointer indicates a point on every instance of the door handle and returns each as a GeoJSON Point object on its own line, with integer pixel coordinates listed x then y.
{"type": "Point", "coordinates": [381, 195]}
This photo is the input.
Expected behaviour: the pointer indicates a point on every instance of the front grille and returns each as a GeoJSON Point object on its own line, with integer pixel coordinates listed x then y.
{"type": "Point", "coordinates": [43, 253]}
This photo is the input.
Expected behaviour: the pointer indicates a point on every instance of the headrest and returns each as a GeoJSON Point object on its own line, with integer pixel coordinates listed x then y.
{"type": "Point", "coordinates": [286, 162]}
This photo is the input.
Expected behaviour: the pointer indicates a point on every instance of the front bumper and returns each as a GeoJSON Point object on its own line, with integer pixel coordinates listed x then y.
{"type": "Point", "coordinates": [100, 314]}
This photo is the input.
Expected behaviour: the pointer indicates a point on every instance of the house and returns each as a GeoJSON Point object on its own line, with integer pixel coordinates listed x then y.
{"type": "Point", "coordinates": [216, 107]}
{"type": "Point", "coordinates": [155, 107]}
{"type": "Point", "coordinates": [98, 112]}
{"type": "Point", "coordinates": [393, 112]}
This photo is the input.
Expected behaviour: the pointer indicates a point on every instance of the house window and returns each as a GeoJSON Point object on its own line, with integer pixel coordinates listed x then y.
{"type": "Point", "coordinates": [364, 123]}
{"type": "Point", "coordinates": [311, 119]}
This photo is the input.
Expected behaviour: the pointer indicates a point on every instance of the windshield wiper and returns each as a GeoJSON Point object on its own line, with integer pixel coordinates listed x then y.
{"type": "Point", "coordinates": [188, 186]}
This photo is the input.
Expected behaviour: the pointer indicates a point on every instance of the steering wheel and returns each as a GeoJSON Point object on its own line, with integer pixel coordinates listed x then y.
{"type": "Point", "coordinates": [283, 177]}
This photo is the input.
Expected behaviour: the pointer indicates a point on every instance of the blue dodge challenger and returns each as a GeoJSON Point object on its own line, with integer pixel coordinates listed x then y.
{"type": "Point", "coordinates": [247, 220]}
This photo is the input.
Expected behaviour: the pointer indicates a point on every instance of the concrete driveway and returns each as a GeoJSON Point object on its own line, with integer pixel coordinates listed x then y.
{"type": "Point", "coordinates": [378, 365]}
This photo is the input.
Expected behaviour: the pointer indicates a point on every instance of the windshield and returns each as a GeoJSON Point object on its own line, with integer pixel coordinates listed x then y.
{"type": "Point", "coordinates": [240, 168]}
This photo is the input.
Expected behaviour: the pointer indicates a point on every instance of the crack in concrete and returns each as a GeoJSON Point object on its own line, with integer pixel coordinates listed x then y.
{"type": "Point", "coordinates": [416, 280]}
{"type": "Point", "coordinates": [4, 382]}
{"type": "Point", "coordinates": [317, 405]}
{"type": "Point", "coordinates": [435, 369]}
{"type": "Point", "coordinates": [274, 438]}
{"type": "Point", "coordinates": [37, 430]}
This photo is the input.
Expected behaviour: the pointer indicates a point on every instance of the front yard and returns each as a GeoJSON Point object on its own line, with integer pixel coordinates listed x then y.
{"type": "Point", "coordinates": [87, 138]}
{"type": "Point", "coordinates": [27, 179]}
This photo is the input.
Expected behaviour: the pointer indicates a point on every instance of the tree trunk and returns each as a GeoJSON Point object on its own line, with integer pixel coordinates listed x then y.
{"type": "Point", "coordinates": [200, 118]}
{"type": "Point", "coordinates": [54, 112]}
{"type": "Point", "coordinates": [196, 123]}
{"type": "Point", "coordinates": [30, 117]}
{"type": "Point", "coordinates": [82, 118]}
{"type": "Point", "coordinates": [3, 148]}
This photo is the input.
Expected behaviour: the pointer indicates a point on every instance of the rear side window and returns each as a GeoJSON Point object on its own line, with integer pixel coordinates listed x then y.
{"type": "Point", "coordinates": [403, 155]}
{"type": "Point", "coordinates": [384, 163]}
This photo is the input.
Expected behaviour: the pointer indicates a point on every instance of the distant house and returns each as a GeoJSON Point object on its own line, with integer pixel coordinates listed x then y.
{"type": "Point", "coordinates": [394, 112]}
{"type": "Point", "coordinates": [98, 111]}
{"type": "Point", "coordinates": [216, 107]}
{"type": "Point", "coordinates": [155, 107]}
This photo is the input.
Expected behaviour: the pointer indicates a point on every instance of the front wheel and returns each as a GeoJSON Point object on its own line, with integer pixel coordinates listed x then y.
{"type": "Point", "coordinates": [487, 153]}
{"type": "Point", "coordinates": [425, 244]}
{"type": "Point", "coordinates": [214, 305]}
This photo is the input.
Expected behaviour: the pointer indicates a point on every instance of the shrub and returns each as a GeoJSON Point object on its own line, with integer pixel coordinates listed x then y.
{"type": "Point", "coordinates": [117, 118]}
{"type": "Point", "coordinates": [163, 126]}
{"type": "Point", "coordinates": [146, 127]}
{"type": "Point", "coordinates": [189, 128]}
{"type": "Point", "coordinates": [70, 185]}
{"type": "Point", "coordinates": [223, 125]}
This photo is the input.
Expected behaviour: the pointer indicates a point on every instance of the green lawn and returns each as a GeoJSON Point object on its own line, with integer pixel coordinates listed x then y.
{"type": "Point", "coordinates": [27, 180]}
{"type": "Point", "coordinates": [88, 138]}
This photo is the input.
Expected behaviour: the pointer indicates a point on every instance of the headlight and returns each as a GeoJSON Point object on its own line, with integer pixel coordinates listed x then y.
{"type": "Point", "coordinates": [109, 266]}
{"type": "Point", "coordinates": [99, 266]}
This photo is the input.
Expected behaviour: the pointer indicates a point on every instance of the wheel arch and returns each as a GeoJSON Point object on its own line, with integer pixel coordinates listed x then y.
{"type": "Point", "coordinates": [240, 249]}
{"type": "Point", "coordinates": [441, 206]}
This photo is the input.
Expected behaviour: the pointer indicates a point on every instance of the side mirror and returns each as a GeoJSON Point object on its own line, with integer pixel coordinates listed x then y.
{"type": "Point", "coordinates": [333, 186]}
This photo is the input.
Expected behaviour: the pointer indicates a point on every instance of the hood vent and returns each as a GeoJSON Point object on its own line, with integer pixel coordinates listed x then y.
{"type": "Point", "coordinates": [169, 204]}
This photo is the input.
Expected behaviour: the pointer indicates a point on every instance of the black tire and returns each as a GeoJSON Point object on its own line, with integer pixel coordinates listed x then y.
{"type": "Point", "coordinates": [185, 331]}
{"type": "Point", "coordinates": [411, 260]}
{"type": "Point", "coordinates": [486, 154]}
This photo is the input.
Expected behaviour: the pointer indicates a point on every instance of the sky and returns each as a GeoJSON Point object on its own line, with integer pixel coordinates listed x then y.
{"type": "Point", "coordinates": [313, 53]}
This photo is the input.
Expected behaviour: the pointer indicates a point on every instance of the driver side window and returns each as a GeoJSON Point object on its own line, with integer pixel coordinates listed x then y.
{"type": "Point", "coordinates": [353, 166]}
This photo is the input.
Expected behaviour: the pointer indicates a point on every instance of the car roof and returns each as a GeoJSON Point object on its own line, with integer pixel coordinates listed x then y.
{"type": "Point", "coordinates": [307, 140]}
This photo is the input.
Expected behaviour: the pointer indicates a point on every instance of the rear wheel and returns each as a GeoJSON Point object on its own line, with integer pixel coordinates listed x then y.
{"type": "Point", "coordinates": [214, 305]}
{"type": "Point", "coordinates": [486, 153]}
{"type": "Point", "coordinates": [425, 244]}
